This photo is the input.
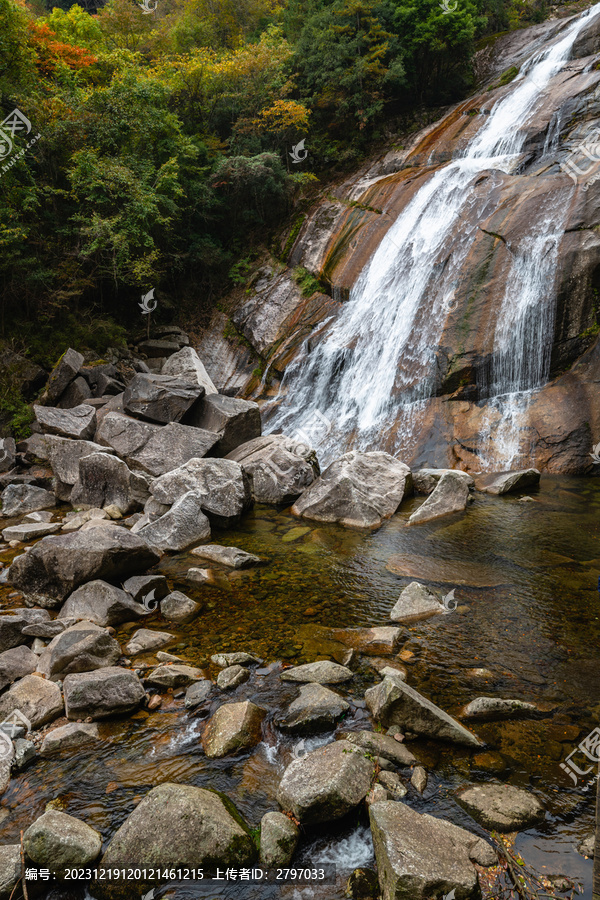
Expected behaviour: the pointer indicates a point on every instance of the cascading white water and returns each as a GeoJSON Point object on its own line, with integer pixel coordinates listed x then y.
{"type": "Point", "coordinates": [369, 378]}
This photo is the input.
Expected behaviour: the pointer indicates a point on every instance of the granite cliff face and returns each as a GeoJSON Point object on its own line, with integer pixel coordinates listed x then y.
{"type": "Point", "coordinates": [459, 319]}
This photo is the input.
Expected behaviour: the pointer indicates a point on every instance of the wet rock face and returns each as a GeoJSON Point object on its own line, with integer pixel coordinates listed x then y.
{"type": "Point", "coordinates": [501, 806]}
{"type": "Point", "coordinates": [106, 692]}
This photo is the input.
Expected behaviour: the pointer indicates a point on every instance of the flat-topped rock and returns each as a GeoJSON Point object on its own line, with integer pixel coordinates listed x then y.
{"type": "Point", "coordinates": [197, 693]}
{"type": "Point", "coordinates": [414, 603]}
{"type": "Point", "coordinates": [106, 692]}
{"type": "Point", "coordinates": [234, 727]}
{"type": "Point", "coordinates": [237, 658]}
{"type": "Point", "coordinates": [322, 672]}
{"type": "Point", "coordinates": [226, 556]}
{"type": "Point", "coordinates": [501, 806]}
{"type": "Point", "coordinates": [79, 422]}
{"type": "Point", "coordinates": [174, 675]}
{"type": "Point", "coordinates": [29, 531]}
{"type": "Point", "coordinates": [315, 709]}
{"type": "Point", "coordinates": [450, 495]}
{"type": "Point", "coordinates": [139, 586]}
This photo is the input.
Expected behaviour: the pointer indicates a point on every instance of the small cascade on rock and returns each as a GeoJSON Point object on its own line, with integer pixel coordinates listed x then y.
{"type": "Point", "coordinates": [371, 375]}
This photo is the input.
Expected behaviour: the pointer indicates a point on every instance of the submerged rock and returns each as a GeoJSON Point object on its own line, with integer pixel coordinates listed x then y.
{"type": "Point", "coordinates": [57, 841]}
{"type": "Point", "coordinates": [489, 709]}
{"type": "Point", "coordinates": [395, 703]}
{"type": "Point", "coordinates": [233, 728]}
{"type": "Point", "coordinates": [106, 692]}
{"type": "Point", "coordinates": [501, 806]}
{"type": "Point", "coordinates": [415, 602]}
{"type": "Point", "coordinates": [450, 495]}
{"type": "Point", "coordinates": [359, 490]}
{"type": "Point", "coordinates": [315, 709]}
{"type": "Point", "coordinates": [326, 784]}
{"type": "Point", "coordinates": [278, 839]}
{"type": "Point", "coordinates": [425, 480]}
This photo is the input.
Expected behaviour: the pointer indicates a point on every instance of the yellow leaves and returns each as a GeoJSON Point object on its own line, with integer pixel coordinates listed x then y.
{"type": "Point", "coordinates": [282, 115]}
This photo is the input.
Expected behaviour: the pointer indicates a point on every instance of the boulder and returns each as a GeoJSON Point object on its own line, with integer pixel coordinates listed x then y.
{"type": "Point", "coordinates": [414, 603]}
{"type": "Point", "coordinates": [16, 663]}
{"type": "Point", "coordinates": [48, 630]}
{"type": "Point", "coordinates": [197, 693]}
{"type": "Point", "coordinates": [80, 519]}
{"type": "Point", "coordinates": [237, 658]}
{"type": "Point", "coordinates": [489, 709]}
{"type": "Point", "coordinates": [140, 586]}
{"type": "Point", "coordinates": [57, 841]}
{"type": "Point", "coordinates": [395, 703]}
{"type": "Point", "coordinates": [419, 856]}
{"type": "Point", "coordinates": [81, 648]}
{"type": "Point", "coordinates": [57, 565]}
{"type": "Point", "coordinates": [174, 676]}
{"type": "Point", "coordinates": [18, 499]}
{"type": "Point", "coordinates": [105, 480]}
{"type": "Point", "coordinates": [64, 455]}
{"type": "Point", "coordinates": [418, 779]}
{"type": "Point", "coordinates": [278, 840]}
{"type": "Point", "coordinates": [8, 450]}
{"type": "Point", "coordinates": [61, 376]}
{"type": "Point", "coordinates": [513, 481]}
{"type": "Point", "coordinates": [315, 709]}
{"type": "Point", "coordinates": [322, 672]}
{"type": "Point", "coordinates": [39, 700]}
{"type": "Point", "coordinates": [176, 826]}
{"type": "Point", "coordinates": [186, 364]}
{"type": "Point", "coordinates": [29, 531]}
{"type": "Point", "coordinates": [77, 394]}
{"type": "Point", "coordinates": [224, 489]}
{"type": "Point", "coordinates": [232, 677]}
{"type": "Point", "coordinates": [226, 556]}
{"type": "Point", "coordinates": [11, 630]}
{"type": "Point", "coordinates": [393, 784]}
{"type": "Point", "coordinates": [154, 448]}
{"type": "Point", "coordinates": [32, 449]}
{"type": "Point", "coordinates": [160, 398]}
{"type": "Point", "coordinates": [78, 422]}
{"type": "Point", "coordinates": [279, 468]}
{"type": "Point", "coordinates": [72, 736]}
{"type": "Point", "coordinates": [358, 490]}
{"type": "Point", "coordinates": [235, 421]}
{"type": "Point", "coordinates": [178, 608]}
{"type": "Point", "coordinates": [157, 349]}
{"type": "Point", "coordinates": [450, 495]}
{"type": "Point", "coordinates": [39, 516]}
{"type": "Point", "coordinates": [102, 603]}
{"type": "Point", "coordinates": [234, 727]}
{"type": "Point", "coordinates": [183, 525]}
{"type": "Point", "coordinates": [501, 806]}
{"type": "Point", "coordinates": [144, 640]}
{"type": "Point", "coordinates": [426, 480]}
{"type": "Point", "coordinates": [326, 784]}
{"type": "Point", "coordinates": [380, 745]}
{"type": "Point", "coordinates": [105, 692]}
{"type": "Point", "coordinates": [10, 870]}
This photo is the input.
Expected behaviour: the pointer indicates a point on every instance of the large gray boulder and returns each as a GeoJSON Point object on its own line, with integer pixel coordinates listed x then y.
{"type": "Point", "coordinates": [18, 499]}
{"type": "Point", "coordinates": [358, 490]}
{"type": "Point", "coordinates": [419, 856]}
{"type": "Point", "coordinates": [183, 525]}
{"type": "Point", "coordinates": [513, 481]}
{"type": "Point", "coordinates": [29, 531]}
{"type": "Point", "coordinates": [224, 489]}
{"type": "Point", "coordinates": [426, 480]}
{"type": "Point", "coordinates": [57, 842]}
{"type": "Point", "coordinates": [155, 449]}
{"type": "Point", "coordinates": [176, 826]}
{"type": "Point", "coordinates": [105, 480]}
{"type": "Point", "coordinates": [160, 398]}
{"type": "Point", "coordinates": [53, 568]}
{"type": "Point", "coordinates": [279, 468]}
{"type": "Point", "coordinates": [81, 648]}
{"type": "Point", "coordinates": [78, 393]}
{"type": "Point", "coordinates": [226, 556]}
{"type": "Point", "coordinates": [38, 699]}
{"type": "Point", "coordinates": [278, 839]}
{"type": "Point", "coordinates": [16, 663]}
{"type": "Point", "coordinates": [450, 495]}
{"type": "Point", "coordinates": [105, 692]}
{"type": "Point", "coordinates": [235, 421]}
{"type": "Point", "coordinates": [321, 672]}
{"type": "Point", "coordinates": [414, 603]}
{"type": "Point", "coordinates": [501, 806]}
{"type": "Point", "coordinates": [11, 630]}
{"type": "Point", "coordinates": [392, 702]}
{"type": "Point", "coordinates": [10, 869]}
{"type": "Point", "coordinates": [234, 727]}
{"type": "Point", "coordinates": [72, 736]}
{"type": "Point", "coordinates": [78, 422]}
{"type": "Point", "coordinates": [102, 603]}
{"type": "Point", "coordinates": [64, 455]}
{"type": "Point", "coordinates": [315, 709]}
{"type": "Point", "coordinates": [61, 376]}
{"type": "Point", "coordinates": [326, 784]}
{"type": "Point", "coordinates": [187, 365]}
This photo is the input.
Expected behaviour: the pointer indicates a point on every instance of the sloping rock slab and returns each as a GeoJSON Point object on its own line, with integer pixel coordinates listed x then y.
{"type": "Point", "coordinates": [176, 826]}
{"type": "Point", "coordinates": [78, 422]}
{"type": "Point", "coordinates": [358, 490]}
{"type": "Point", "coordinates": [62, 375]}
{"type": "Point", "coordinates": [395, 703]}
{"type": "Point", "coordinates": [415, 602]}
{"type": "Point", "coordinates": [233, 728]}
{"type": "Point", "coordinates": [321, 672]}
{"type": "Point", "coordinates": [425, 480]}
{"type": "Point", "coordinates": [186, 364]}
{"type": "Point", "coordinates": [419, 856]}
{"type": "Point", "coordinates": [183, 525]}
{"type": "Point", "coordinates": [59, 564]}
{"type": "Point", "coordinates": [511, 481]}
{"type": "Point", "coordinates": [451, 495]}
{"type": "Point", "coordinates": [381, 745]}
{"type": "Point", "coordinates": [235, 421]}
{"type": "Point", "coordinates": [326, 784]}
{"type": "Point", "coordinates": [16, 663]}
{"type": "Point", "coordinates": [501, 806]}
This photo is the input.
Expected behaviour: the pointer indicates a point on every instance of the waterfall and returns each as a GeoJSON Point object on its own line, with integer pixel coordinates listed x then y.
{"type": "Point", "coordinates": [371, 374]}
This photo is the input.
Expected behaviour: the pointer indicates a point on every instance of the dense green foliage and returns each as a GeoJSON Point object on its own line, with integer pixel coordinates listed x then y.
{"type": "Point", "coordinates": [164, 139]}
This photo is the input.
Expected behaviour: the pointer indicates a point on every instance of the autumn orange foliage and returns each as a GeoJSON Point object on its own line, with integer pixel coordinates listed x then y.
{"type": "Point", "coordinates": [51, 53]}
